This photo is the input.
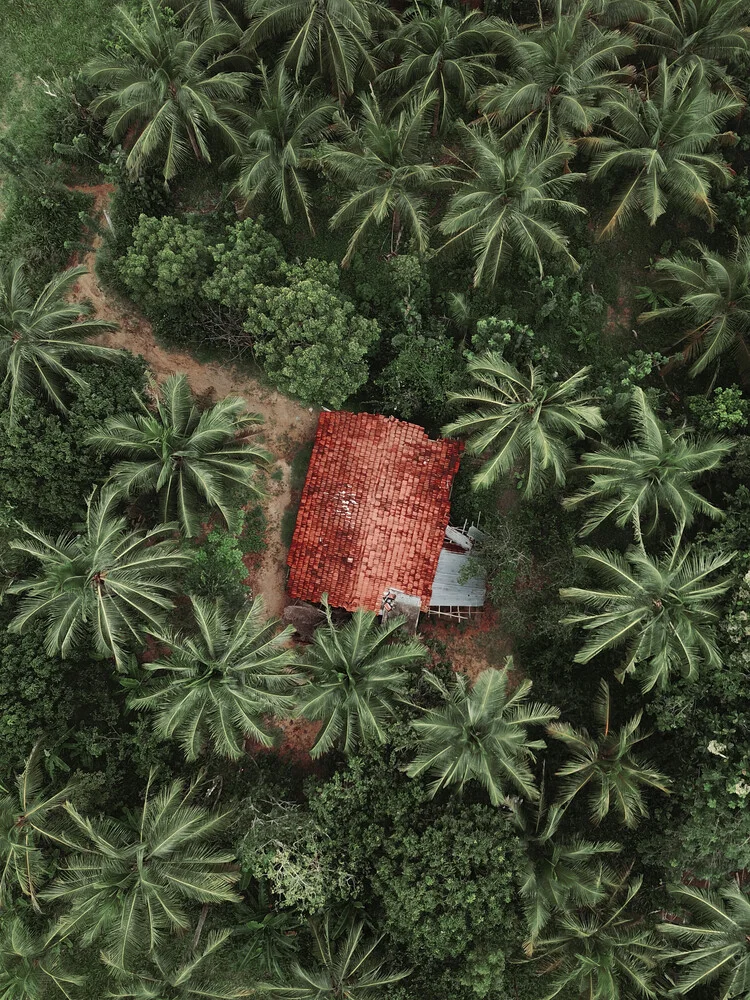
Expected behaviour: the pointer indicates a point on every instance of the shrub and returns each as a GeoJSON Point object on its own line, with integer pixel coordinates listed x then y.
{"type": "Point", "coordinates": [248, 255]}
{"type": "Point", "coordinates": [416, 383]}
{"type": "Point", "coordinates": [725, 410]}
{"type": "Point", "coordinates": [167, 262]}
{"type": "Point", "coordinates": [217, 569]}
{"type": "Point", "coordinates": [310, 341]}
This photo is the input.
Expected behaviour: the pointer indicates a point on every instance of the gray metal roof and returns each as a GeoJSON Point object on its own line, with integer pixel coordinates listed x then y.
{"type": "Point", "coordinates": [446, 589]}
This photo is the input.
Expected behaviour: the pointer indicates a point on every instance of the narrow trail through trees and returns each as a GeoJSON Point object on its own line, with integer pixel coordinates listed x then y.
{"type": "Point", "coordinates": [286, 424]}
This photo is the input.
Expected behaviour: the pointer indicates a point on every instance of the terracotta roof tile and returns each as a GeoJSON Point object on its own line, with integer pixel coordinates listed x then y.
{"type": "Point", "coordinates": [374, 510]}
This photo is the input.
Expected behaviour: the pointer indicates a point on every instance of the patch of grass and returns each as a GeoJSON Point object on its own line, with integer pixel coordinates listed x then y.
{"type": "Point", "coordinates": [44, 38]}
{"type": "Point", "coordinates": [300, 463]}
{"type": "Point", "coordinates": [253, 537]}
{"type": "Point", "coordinates": [288, 522]}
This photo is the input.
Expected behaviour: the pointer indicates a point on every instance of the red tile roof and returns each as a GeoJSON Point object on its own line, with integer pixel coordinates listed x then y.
{"type": "Point", "coordinates": [373, 513]}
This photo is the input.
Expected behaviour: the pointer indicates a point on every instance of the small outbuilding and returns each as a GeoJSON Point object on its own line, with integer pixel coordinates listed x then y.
{"type": "Point", "coordinates": [373, 518]}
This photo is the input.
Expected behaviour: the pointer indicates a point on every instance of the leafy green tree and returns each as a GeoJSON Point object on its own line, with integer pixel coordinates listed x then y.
{"type": "Point", "coordinates": [31, 969]}
{"type": "Point", "coordinates": [218, 687]}
{"type": "Point", "coordinates": [278, 144]}
{"type": "Point", "coordinates": [662, 142]}
{"type": "Point", "coordinates": [638, 481]}
{"type": "Point", "coordinates": [560, 874]}
{"type": "Point", "coordinates": [562, 76]}
{"type": "Point", "coordinates": [606, 766]}
{"type": "Point", "coordinates": [165, 82]}
{"type": "Point", "coordinates": [194, 461]}
{"type": "Point", "coordinates": [46, 468]}
{"type": "Point", "coordinates": [198, 976]}
{"type": "Point", "coordinates": [709, 34]}
{"type": "Point", "coordinates": [710, 300]}
{"type": "Point", "coordinates": [247, 256]}
{"type": "Point", "coordinates": [441, 57]}
{"type": "Point", "coordinates": [713, 948]}
{"type": "Point", "coordinates": [332, 38]}
{"type": "Point", "coordinates": [346, 969]}
{"type": "Point", "coordinates": [309, 339]}
{"type": "Point", "coordinates": [27, 818]}
{"type": "Point", "coordinates": [663, 609]}
{"type": "Point", "coordinates": [166, 263]}
{"type": "Point", "coordinates": [480, 733]}
{"type": "Point", "coordinates": [39, 337]}
{"type": "Point", "coordinates": [357, 677]}
{"type": "Point", "coordinates": [132, 879]}
{"type": "Point", "coordinates": [607, 953]}
{"type": "Point", "coordinates": [523, 419]}
{"type": "Point", "coordinates": [382, 160]}
{"type": "Point", "coordinates": [104, 586]}
{"type": "Point", "coordinates": [507, 204]}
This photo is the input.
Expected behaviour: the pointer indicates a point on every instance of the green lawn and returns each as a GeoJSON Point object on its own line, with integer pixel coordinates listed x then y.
{"type": "Point", "coordinates": [44, 37]}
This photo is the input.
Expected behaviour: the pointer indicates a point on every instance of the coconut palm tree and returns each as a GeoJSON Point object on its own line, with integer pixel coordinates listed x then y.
{"type": "Point", "coordinates": [348, 969]}
{"type": "Point", "coordinates": [30, 969]}
{"type": "Point", "coordinates": [199, 975]}
{"type": "Point", "coordinates": [381, 160]}
{"type": "Point", "coordinates": [662, 609]}
{"type": "Point", "coordinates": [661, 141]}
{"type": "Point", "coordinates": [132, 878]}
{"type": "Point", "coordinates": [194, 461]}
{"type": "Point", "coordinates": [711, 301]}
{"type": "Point", "coordinates": [507, 204]}
{"type": "Point", "coordinates": [713, 948]}
{"type": "Point", "coordinates": [710, 34]}
{"type": "Point", "coordinates": [102, 587]}
{"type": "Point", "coordinates": [332, 38]}
{"type": "Point", "coordinates": [522, 419]}
{"type": "Point", "coordinates": [480, 733]}
{"type": "Point", "coordinates": [28, 817]}
{"type": "Point", "coordinates": [357, 677]}
{"type": "Point", "coordinates": [218, 687]}
{"type": "Point", "coordinates": [559, 875]}
{"type": "Point", "coordinates": [277, 144]}
{"type": "Point", "coordinates": [442, 55]}
{"type": "Point", "coordinates": [638, 481]}
{"type": "Point", "coordinates": [606, 765]}
{"type": "Point", "coordinates": [564, 74]}
{"type": "Point", "coordinates": [164, 83]}
{"type": "Point", "coordinates": [39, 336]}
{"type": "Point", "coordinates": [606, 953]}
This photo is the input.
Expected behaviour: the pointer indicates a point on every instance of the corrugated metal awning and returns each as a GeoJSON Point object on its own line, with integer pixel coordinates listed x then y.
{"type": "Point", "coordinates": [447, 591]}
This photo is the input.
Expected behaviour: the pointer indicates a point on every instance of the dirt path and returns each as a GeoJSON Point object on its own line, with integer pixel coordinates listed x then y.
{"type": "Point", "coordinates": [286, 424]}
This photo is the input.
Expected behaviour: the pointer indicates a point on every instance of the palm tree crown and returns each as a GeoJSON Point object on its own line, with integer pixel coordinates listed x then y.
{"type": "Point", "coordinates": [606, 765]}
{"type": "Point", "coordinates": [637, 481]}
{"type": "Point", "coordinates": [277, 144]}
{"type": "Point", "coordinates": [165, 83]}
{"type": "Point", "coordinates": [711, 34]}
{"type": "Point", "coordinates": [662, 609]}
{"type": "Point", "coordinates": [38, 336]}
{"type": "Point", "coordinates": [480, 733]}
{"type": "Point", "coordinates": [713, 949]}
{"type": "Point", "coordinates": [357, 675]}
{"type": "Point", "coordinates": [198, 976]}
{"type": "Point", "coordinates": [558, 874]}
{"type": "Point", "coordinates": [132, 878]}
{"type": "Point", "coordinates": [218, 686]}
{"type": "Point", "coordinates": [523, 419]}
{"type": "Point", "coordinates": [443, 55]}
{"type": "Point", "coordinates": [193, 460]}
{"type": "Point", "coordinates": [564, 74]}
{"type": "Point", "coordinates": [508, 201]}
{"type": "Point", "coordinates": [348, 969]}
{"type": "Point", "coordinates": [381, 159]}
{"type": "Point", "coordinates": [27, 817]}
{"type": "Point", "coordinates": [104, 585]}
{"type": "Point", "coordinates": [30, 969]}
{"type": "Point", "coordinates": [604, 953]}
{"type": "Point", "coordinates": [711, 300]}
{"type": "Point", "coordinates": [662, 142]}
{"type": "Point", "coordinates": [332, 38]}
